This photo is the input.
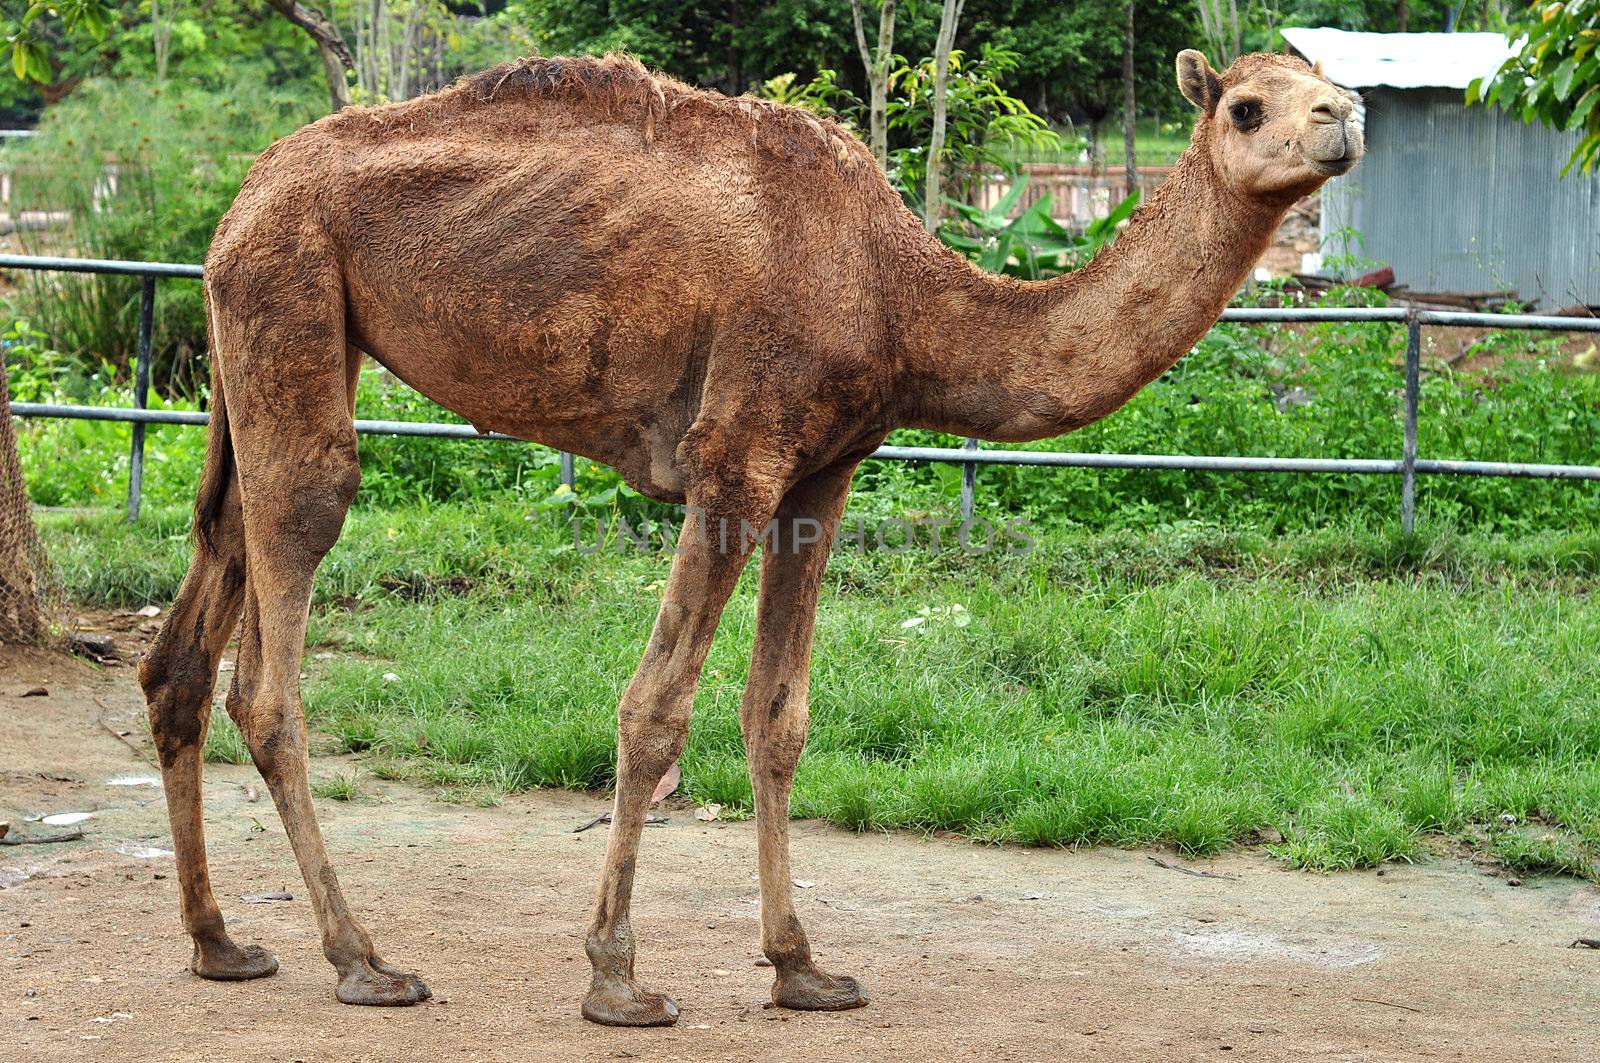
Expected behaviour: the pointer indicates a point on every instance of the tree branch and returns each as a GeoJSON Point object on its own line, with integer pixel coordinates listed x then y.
{"type": "Point", "coordinates": [932, 207]}
{"type": "Point", "coordinates": [319, 26]}
{"type": "Point", "coordinates": [877, 73]}
{"type": "Point", "coordinates": [861, 33]}
{"type": "Point", "coordinates": [336, 54]}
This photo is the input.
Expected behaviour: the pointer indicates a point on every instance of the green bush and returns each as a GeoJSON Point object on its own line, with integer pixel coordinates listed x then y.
{"type": "Point", "coordinates": [179, 153]}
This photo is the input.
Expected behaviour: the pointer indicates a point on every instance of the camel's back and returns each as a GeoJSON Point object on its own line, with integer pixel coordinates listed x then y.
{"type": "Point", "coordinates": [553, 237]}
{"type": "Point", "coordinates": [552, 181]}
{"type": "Point", "coordinates": [600, 151]}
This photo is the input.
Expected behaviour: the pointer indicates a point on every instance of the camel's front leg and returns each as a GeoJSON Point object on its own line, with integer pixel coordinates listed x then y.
{"type": "Point", "coordinates": [653, 722]}
{"type": "Point", "coordinates": [775, 715]}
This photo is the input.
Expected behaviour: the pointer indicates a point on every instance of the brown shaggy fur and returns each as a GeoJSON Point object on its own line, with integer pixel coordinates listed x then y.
{"type": "Point", "coordinates": [722, 298]}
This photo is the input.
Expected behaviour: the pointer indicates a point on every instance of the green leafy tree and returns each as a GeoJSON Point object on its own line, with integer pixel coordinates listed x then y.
{"type": "Point", "coordinates": [984, 122]}
{"type": "Point", "coordinates": [56, 43]}
{"type": "Point", "coordinates": [1070, 56]}
{"type": "Point", "coordinates": [1554, 78]}
{"type": "Point", "coordinates": [31, 41]}
{"type": "Point", "coordinates": [726, 44]}
{"type": "Point", "coordinates": [1374, 16]}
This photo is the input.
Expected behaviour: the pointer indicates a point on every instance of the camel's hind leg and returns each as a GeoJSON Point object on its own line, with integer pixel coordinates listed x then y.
{"type": "Point", "coordinates": [177, 676]}
{"type": "Point", "coordinates": [285, 362]}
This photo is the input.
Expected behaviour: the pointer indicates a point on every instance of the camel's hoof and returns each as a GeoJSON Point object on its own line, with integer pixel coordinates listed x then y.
{"type": "Point", "coordinates": [223, 961]}
{"type": "Point", "coordinates": [625, 1005]}
{"type": "Point", "coordinates": [814, 991]}
{"type": "Point", "coordinates": [376, 984]}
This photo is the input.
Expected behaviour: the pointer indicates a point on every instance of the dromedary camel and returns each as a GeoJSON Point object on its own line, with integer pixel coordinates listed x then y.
{"type": "Point", "coordinates": [722, 298]}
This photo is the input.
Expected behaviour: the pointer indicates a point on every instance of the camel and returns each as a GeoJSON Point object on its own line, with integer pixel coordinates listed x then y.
{"type": "Point", "coordinates": [725, 300]}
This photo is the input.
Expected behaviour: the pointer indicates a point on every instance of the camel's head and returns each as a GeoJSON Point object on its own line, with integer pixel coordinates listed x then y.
{"type": "Point", "coordinates": [1274, 126]}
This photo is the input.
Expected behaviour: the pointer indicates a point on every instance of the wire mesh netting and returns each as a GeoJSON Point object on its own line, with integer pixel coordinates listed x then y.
{"type": "Point", "coordinates": [31, 601]}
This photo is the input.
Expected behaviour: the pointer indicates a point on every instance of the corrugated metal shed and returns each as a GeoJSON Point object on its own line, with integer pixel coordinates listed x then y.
{"type": "Point", "coordinates": [1456, 198]}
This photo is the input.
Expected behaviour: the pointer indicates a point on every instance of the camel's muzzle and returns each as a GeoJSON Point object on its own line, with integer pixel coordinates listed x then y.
{"type": "Point", "coordinates": [1332, 147]}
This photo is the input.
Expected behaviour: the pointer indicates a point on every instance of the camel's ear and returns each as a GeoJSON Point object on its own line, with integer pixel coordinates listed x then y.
{"type": "Point", "coordinates": [1197, 81]}
{"type": "Point", "coordinates": [1316, 68]}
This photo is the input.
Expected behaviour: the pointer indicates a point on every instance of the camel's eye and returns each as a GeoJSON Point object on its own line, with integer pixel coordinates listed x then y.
{"type": "Point", "coordinates": [1246, 114]}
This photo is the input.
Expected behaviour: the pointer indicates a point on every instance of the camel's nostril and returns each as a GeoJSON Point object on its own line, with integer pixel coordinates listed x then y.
{"type": "Point", "coordinates": [1324, 112]}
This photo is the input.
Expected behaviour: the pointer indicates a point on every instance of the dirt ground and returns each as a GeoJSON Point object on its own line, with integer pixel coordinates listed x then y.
{"type": "Point", "coordinates": [970, 952]}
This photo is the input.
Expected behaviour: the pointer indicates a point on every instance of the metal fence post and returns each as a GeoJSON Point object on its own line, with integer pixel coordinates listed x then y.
{"type": "Point", "coordinates": [141, 392]}
{"type": "Point", "coordinates": [569, 478]}
{"type": "Point", "coordinates": [969, 481]}
{"type": "Point", "coordinates": [1408, 457]}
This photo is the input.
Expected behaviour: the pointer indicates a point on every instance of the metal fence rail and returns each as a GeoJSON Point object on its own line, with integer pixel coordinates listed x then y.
{"type": "Point", "coordinates": [1408, 466]}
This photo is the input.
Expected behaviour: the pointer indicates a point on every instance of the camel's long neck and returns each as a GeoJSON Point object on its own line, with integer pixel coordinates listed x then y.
{"type": "Point", "coordinates": [1004, 360]}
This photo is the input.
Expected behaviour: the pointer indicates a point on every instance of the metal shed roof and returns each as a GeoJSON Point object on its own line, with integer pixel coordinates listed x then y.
{"type": "Point", "coordinates": [1401, 60]}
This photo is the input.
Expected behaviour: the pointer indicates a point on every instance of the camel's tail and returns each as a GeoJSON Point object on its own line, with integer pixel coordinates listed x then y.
{"type": "Point", "coordinates": [219, 451]}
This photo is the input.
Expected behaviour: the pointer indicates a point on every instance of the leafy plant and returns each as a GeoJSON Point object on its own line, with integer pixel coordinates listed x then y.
{"type": "Point", "coordinates": [985, 124]}
{"type": "Point", "coordinates": [341, 786]}
{"type": "Point", "coordinates": [30, 56]}
{"type": "Point", "coordinates": [988, 128]}
{"type": "Point", "coordinates": [34, 368]}
{"type": "Point", "coordinates": [821, 95]}
{"type": "Point", "coordinates": [1033, 244]}
{"type": "Point", "coordinates": [1554, 77]}
{"type": "Point", "coordinates": [145, 171]}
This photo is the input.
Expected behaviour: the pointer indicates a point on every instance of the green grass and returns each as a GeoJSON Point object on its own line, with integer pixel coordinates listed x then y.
{"type": "Point", "coordinates": [1349, 689]}
{"type": "Point", "coordinates": [341, 786]}
{"type": "Point", "coordinates": [1546, 852]}
{"type": "Point", "coordinates": [224, 743]}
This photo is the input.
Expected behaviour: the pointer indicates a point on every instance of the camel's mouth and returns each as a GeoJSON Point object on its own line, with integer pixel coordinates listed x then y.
{"type": "Point", "coordinates": [1332, 152]}
{"type": "Point", "coordinates": [1332, 167]}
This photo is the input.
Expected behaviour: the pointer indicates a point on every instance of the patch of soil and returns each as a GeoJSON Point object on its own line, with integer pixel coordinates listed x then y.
{"type": "Point", "coordinates": [970, 952]}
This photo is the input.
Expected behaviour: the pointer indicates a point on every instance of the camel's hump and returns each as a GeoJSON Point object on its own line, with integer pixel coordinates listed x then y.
{"type": "Point", "coordinates": [611, 89]}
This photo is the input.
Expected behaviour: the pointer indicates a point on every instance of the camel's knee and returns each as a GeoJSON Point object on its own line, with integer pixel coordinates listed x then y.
{"type": "Point", "coordinates": [297, 510]}
{"type": "Point", "coordinates": [649, 741]}
{"type": "Point", "coordinates": [270, 724]}
{"type": "Point", "coordinates": [775, 733]}
{"type": "Point", "coordinates": [277, 748]}
{"type": "Point", "coordinates": [177, 677]}
{"type": "Point", "coordinates": [178, 700]}
{"type": "Point", "coordinates": [317, 505]}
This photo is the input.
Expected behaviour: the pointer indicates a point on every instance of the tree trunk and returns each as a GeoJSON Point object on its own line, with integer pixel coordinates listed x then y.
{"type": "Point", "coordinates": [333, 69]}
{"type": "Point", "coordinates": [160, 39]}
{"type": "Point", "coordinates": [336, 55]}
{"type": "Point", "coordinates": [877, 75]}
{"type": "Point", "coordinates": [1131, 157]}
{"type": "Point", "coordinates": [1403, 20]}
{"type": "Point", "coordinates": [933, 202]}
{"type": "Point", "coordinates": [1222, 30]}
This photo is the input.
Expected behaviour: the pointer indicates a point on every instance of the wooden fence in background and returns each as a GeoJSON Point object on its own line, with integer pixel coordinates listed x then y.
{"type": "Point", "coordinates": [1078, 194]}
